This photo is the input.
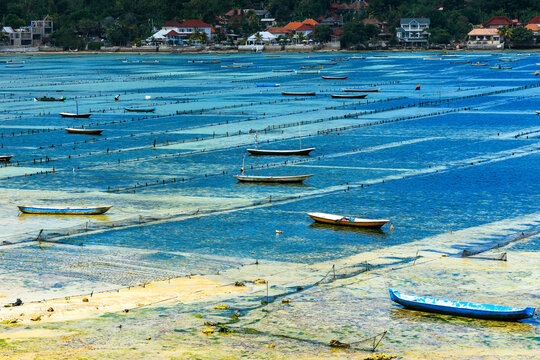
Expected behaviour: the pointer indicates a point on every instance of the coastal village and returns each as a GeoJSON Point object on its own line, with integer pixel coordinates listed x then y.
{"type": "Point", "coordinates": [230, 31]}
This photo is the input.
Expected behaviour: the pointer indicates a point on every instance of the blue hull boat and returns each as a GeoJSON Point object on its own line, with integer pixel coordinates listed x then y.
{"type": "Point", "coordinates": [140, 109]}
{"type": "Point", "coordinates": [68, 210]}
{"type": "Point", "coordinates": [461, 308]}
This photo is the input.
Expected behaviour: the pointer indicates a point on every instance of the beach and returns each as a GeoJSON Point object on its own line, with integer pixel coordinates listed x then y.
{"type": "Point", "coordinates": [190, 263]}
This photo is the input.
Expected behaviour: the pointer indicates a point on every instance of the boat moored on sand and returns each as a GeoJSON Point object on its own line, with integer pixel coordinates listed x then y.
{"type": "Point", "coordinates": [461, 308]}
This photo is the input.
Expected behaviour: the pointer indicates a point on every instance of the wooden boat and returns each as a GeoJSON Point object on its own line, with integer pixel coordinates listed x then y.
{"type": "Point", "coordinates": [360, 90]}
{"type": "Point", "coordinates": [309, 72]}
{"type": "Point", "coordinates": [14, 66]}
{"type": "Point", "coordinates": [15, 62]}
{"type": "Point", "coordinates": [267, 85]}
{"type": "Point", "coordinates": [63, 210]}
{"type": "Point", "coordinates": [243, 64]}
{"type": "Point", "coordinates": [292, 93]}
{"type": "Point", "coordinates": [339, 59]}
{"type": "Point", "coordinates": [211, 62]}
{"type": "Point", "coordinates": [47, 98]}
{"type": "Point", "coordinates": [342, 96]}
{"type": "Point", "coordinates": [479, 64]}
{"type": "Point", "coordinates": [276, 70]}
{"type": "Point", "coordinates": [72, 115]}
{"type": "Point", "coordinates": [273, 179]}
{"type": "Point", "coordinates": [84, 131]}
{"type": "Point", "coordinates": [150, 62]}
{"type": "Point", "coordinates": [459, 62]}
{"type": "Point", "coordinates": [490, 256]}
{"type": "Point", "coordinates": [5, 158]}
{"type": "Point", "coordinates": [461, 308]}
{"type": "Point", "coordinates": [280, 152]}
{"type": "Point", "coordinates": [272, 56]}
{"type": "Point", "coordinates": [328, 63]}
{"type": "Point", "coordinates": [538, 112]}
{"type": "Point", "coordinates": [500, 67]}
{"type": "Point", "coordinates": [335, 77]}
{"type": "Point", "coordinates": [509, 60]}
{"type": "Point", "coordinates": [140, 109]}
{"type": "Point", "coordinates": [231, 66]}
{"type": "Point", "coordinates": [357, 57]}
{"type": "Point", "coordinates": [311, 67]}
{"type": "Point", "coordinates": [432, 58]}
{"type": "Point", "coordinates": [347, 221]}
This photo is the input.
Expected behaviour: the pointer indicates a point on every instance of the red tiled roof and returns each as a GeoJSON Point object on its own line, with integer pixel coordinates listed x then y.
{"type": "Point", "coordinates": [533, 27]}
{"type": "Point", "coordinates": [293, 25]}
{"type": "Point", "coordinates": [535, 20]}
{"type": "Point", "coordinates": [278, 30]}
{"type": "Point", "coordinates": [310, 22]}
{"type": "Point", "coordinates": [305, 27]}
{"type": "Point", "coordinates": [171, 23]}
{"type": "Point", "coordinates": [194, 23]}
{"type": "Point", "coordinates": [498, 20]}
{"type": "Point", "coordinates": [233, 12]}
{"type": "Point", "coordinates": [371, 21]}
{"type": "Point", "coordinates": [172, 33]}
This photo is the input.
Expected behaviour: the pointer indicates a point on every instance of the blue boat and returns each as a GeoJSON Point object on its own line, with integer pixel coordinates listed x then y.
{"type": "Point", "coordinates": [66, 210]}
{"type": "Point", "coordinates": [267, 85]}
{"type": "Point", "coordinates": [140, 109]}
{"type": "Point", "coordinates": [461, 308]}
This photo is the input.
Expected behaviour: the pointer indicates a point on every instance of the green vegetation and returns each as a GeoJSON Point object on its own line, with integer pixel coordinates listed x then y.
{"type": "Point", "coordinates": [124, 22]}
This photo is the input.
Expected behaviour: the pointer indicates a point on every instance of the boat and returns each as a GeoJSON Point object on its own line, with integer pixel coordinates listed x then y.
{"type": "Point", "coordinates": [335, 77]}
{"type": "Point", "coordinates": [479, 64]}
{"type": "Point", "coordinates": [311, 67]}
{"type": "Point", "coordinates": [500, 67]}
{"type": "Point", "coordinates": [231, 66]}
{"type": "Point", "coordinates": [360, 90]}
{"type": "Point", "coordinates": [275, 70]}
{"type": "Point", "coordinates": [150, 61]}
{"type": "Point", "coordinates": [490, 256]}
{"type": "Point", "coordinates": [459, 62]}
{"type": "Point", "coordinates": [63, 210]}
{"type": "Point", "coordinates": [243, 64]}
{"type": "Point", "coordinates": [509, 60]}
{"type": "Point", "coordinates": [47, 98]}
{"type": "Point", "coordinates": [461, 308]}
{"type": "Point", "coordinates": [328, 63]}
{"type": "Point", "coordinates": [272, 56]}
{"type": "Point", "coordinates": [308, 72]}
{"type": "Point", "coordinates": [72, 115]}
{"type": "Point", "coordinates": [5, 158]}
{"type": "Point", "coordinates": [84, 131]}
{"type": "Point", "coordinates": [432, 58]}
{"type": "Point", "coordinates": [339, 59]}
{"type": "Point", "coordinates": [14, 66]}
{"type": "Point", "coordinates": [292, 93]}
{"type": "Point", "coordinates": [211, 62]}
{"type": "Point", "coordinates": [267, 85]}
{"type": "Point", "coordinates": [538, 112]}
{"type": "Point", "coordinates": [305, 151]}
{"type": "Point", "coordinates": [273, 179]}
{"type": "Point", "coordinates": [342, 96]}
{"type": "Point", "coordinates": [380, 56]}
{"type": "Point", "coordinates": [140, 109]}
{"type": "Point", "coordinates": [15, 62]}
{"type": "Point", "coordinates": [357, 57]}
{"type": "Point", "coordinates": [347, 220]}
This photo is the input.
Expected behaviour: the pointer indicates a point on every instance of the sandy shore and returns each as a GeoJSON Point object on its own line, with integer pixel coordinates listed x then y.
{"type": "Point", "coordinates": [81, 307]}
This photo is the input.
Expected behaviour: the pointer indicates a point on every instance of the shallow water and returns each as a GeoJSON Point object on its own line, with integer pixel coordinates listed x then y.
{"type": "Point", "coordinates": [460, 154]}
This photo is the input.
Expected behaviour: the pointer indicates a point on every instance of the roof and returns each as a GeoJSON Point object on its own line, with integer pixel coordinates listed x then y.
{"type": "Point", "coordinates": [337, 32]}
{"type": "Point", "coordinates": [419, 20]}
{"type": "Point", "coordinates": [306, 27]}
{"type": "Point", "coordinates": [7, 30]}
{"type": "Point", "coordinates": [194, 23]}
{"type": "Point", "coordinates": [293, 25]}
{"type": "Point", "coordinates": [371, 21]}
{"type": "Point", "coordinates": [533, 27]}
{"type": "Point", "coordinates": [483, 32]}
{"type": "Point", "coordinates": [357, 5]}
{"type": "Point", "coordinates": [310, 22]}
{"type": "Point", "coordinates": [171, 23]}
{"type": "Point", "coordinates": [233, 12]}
{"type": "Point", "coordinates": [278, 30]}
{"type": "Point", "coordinates": [172, 33]}
{"type": "Point", "coordinates": [265, 36]}
{"type": "Point", "coordinates": [535, 20]}
{"type": "Point", "coordinates": [498, 20]}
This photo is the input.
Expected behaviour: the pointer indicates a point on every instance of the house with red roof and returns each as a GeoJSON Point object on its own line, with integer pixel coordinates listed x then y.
{"type": "Point", "coordinates": [534, 25]}
{"type": "Point", "coordinates": [278, 31]}
{"type": "Point", "coordinates": [306, 29]}
{"type": "Point", "coordinates": [497, 22]}
{"type": "Point", "coordinates": [293, 25]}
{"type": "Point", "coordinates": [485, 38]}
{"type": "Point", "coordinates": [177, 33]}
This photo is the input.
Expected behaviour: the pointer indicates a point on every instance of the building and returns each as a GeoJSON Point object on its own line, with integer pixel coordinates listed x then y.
{"type": "Point", "coordinates": [306, 29]}
{"type": "Point", "coordinates": [179, 33]}
{"type": "Point", "coordinates": [497, 22]}
{"type": "Point", "coordinates": [29, 36]}
{"type": "Point", "coordinates": [534, 25]}
{"type": "Point", "coordinates": [413, 32]}
{"type": "Point", "coordinates": [485, 39]}
{"type": "Point", "coordinates": [279, 31]}
{"type": "Point", "coordinates": [261, 38]}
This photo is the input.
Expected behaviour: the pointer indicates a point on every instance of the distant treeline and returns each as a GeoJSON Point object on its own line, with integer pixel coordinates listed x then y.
{"type": "Point", "coordinates": [123, 22]}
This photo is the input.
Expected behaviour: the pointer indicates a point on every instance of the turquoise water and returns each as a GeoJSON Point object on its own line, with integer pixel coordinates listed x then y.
{"type": "Point", "coordinates": [452, 166]}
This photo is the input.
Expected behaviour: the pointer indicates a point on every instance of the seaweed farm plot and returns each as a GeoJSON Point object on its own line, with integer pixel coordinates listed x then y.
{"type": "Point", "coordinates": [448, 153]}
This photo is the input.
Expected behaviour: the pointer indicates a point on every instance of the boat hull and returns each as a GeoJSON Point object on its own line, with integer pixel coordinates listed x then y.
{"type": "Point", "coordinates": [334, 77]}
{"type": "Point", "coordinates": [140, 110]}
{"type": "Point", "coordinates": [46, 210]}
{"type": "Point", "coordinates": [84, 131]}
{"type": "Point", "coordinates": [273, 179]}
{"type": "Point", "coordinates": [339, 96]}
{"type": "Point", "coordinates": [280, 152]}
{"type": "Point", "coordinates": [347, 221]}
{"type": "Point", "coordinates": [49, 99]}
{"type": "Point", "coordinates": [78, 116]}
{"type": "Point", "coordinates": [5, 158]}
{"type": "Point", "coordinates": [459, 308]}
{"type": "Point", "coordinates": [360, 90]}
{"type": "Point", "coordinates": [298, 93]}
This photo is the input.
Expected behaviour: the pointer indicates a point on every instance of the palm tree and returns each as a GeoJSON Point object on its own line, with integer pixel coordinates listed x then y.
{"type": "Point", "coordinates": [258, 38]}
{"type": "Point", "coordinates": [301, 37]}
{"type": "Point", "coordinates": [290, 36]}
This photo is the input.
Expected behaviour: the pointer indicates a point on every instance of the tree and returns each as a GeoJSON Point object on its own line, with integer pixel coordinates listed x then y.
{"type": "Point", "coordinates": [439, 35]}
{"type": "Point", "coordinates": [521, 35]}
{"type": "Point", "coordinates": [353, 34]}
{"type": "Point", "coordinates": [117, 34]}
{"type": "Point", "coordinates": [301, 37]}
{"type": "Point", "coordinates": [322, 33]}
{"type": "Point", "coordinates": [258, 38]}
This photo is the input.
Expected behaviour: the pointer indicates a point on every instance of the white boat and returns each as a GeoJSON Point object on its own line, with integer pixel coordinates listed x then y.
{"type": "Point", "coordinates": [280, 152]}
{"type": "Point", "coordinates": [84, 131]}
{"type": "Point", "coordinates": [538, 112]}
{"type": "Point", "coordinates": [347, 220]}
{"type": "Point", "coordinates": [273, 179]}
